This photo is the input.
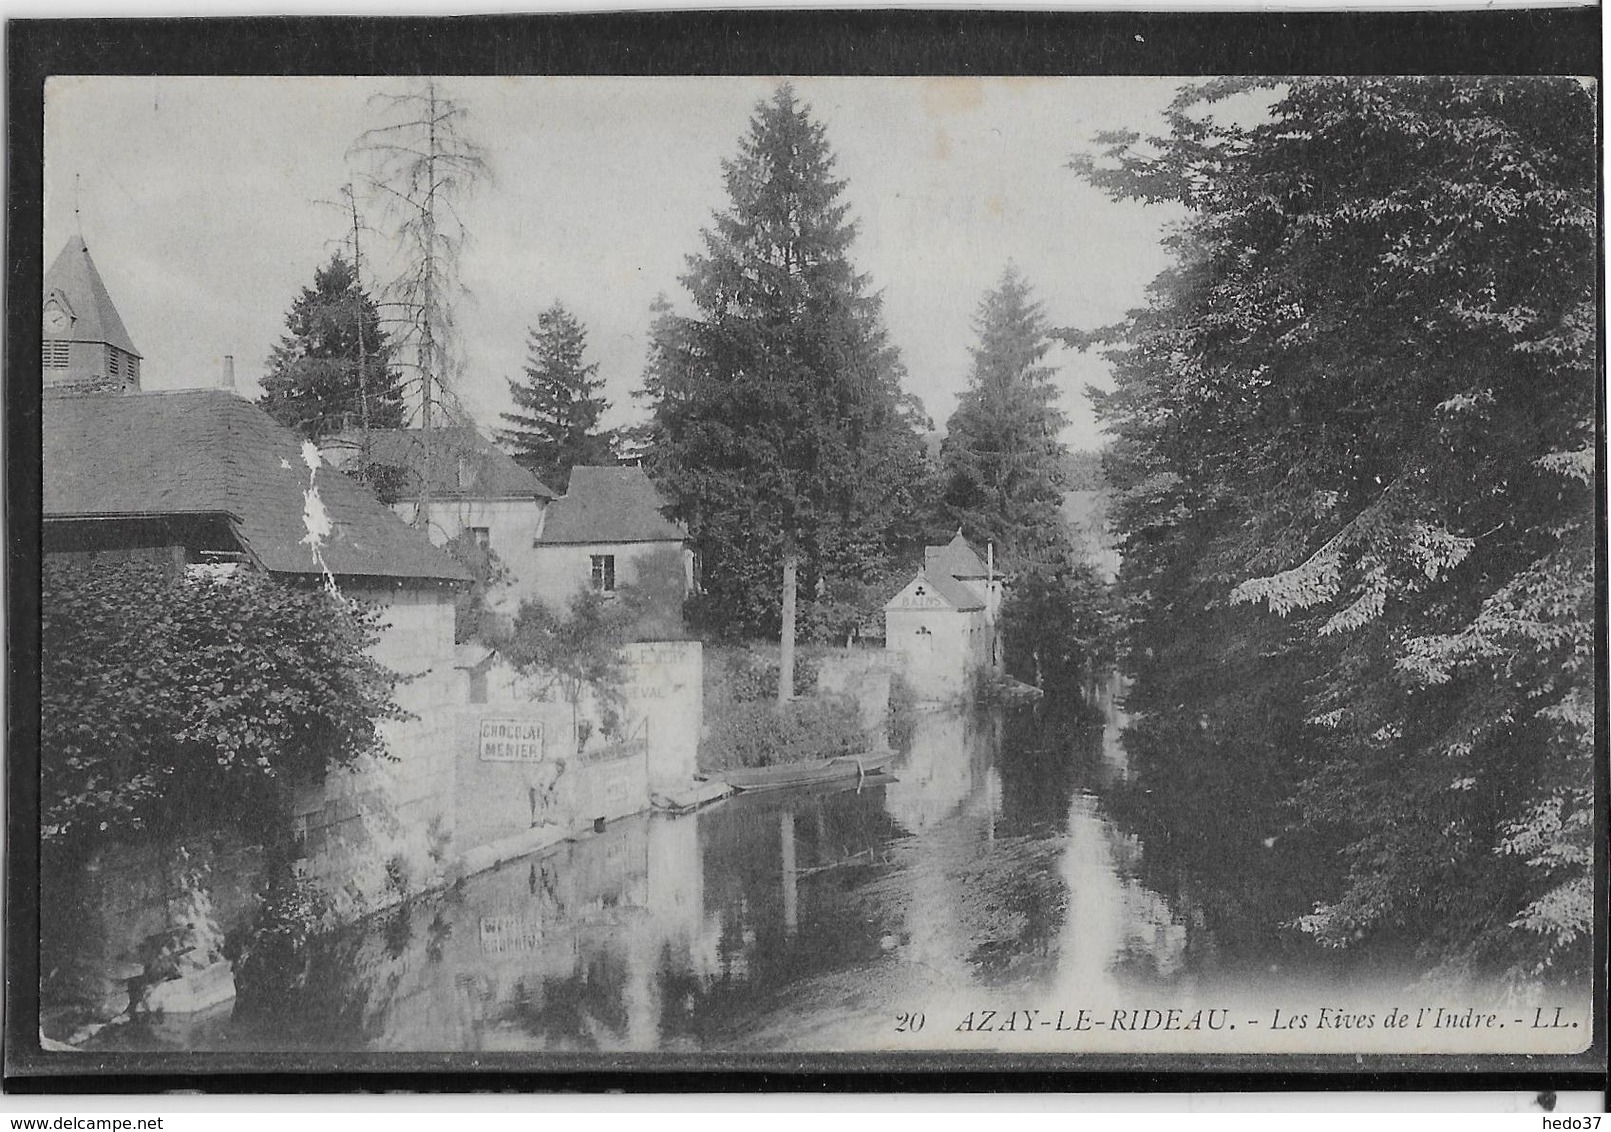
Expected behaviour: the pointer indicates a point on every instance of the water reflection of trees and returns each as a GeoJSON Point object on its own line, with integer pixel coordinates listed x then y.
{"type": "Point", "coordinates": [1206, 794]}
{"type": "Point", "coordinates": [1038, 774]}
{"type": "Point", "coordinates": [781, 873]}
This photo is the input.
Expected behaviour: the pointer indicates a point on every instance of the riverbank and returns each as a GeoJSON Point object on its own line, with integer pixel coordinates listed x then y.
{"type": "Point", "coordinates": [745, 726]}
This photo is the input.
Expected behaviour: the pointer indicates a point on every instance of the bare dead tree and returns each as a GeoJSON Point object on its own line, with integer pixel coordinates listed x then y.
{"type": "Point", "coordinates": [421, 166]}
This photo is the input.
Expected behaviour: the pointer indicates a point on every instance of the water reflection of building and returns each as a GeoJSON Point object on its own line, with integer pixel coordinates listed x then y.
{"type": "Point", "coordinates": [990, 863]}
{"type": "Point", "coordinates": [1117, 928]}
{"type": "Point", "coordinates": [949, 753]}
{"type": "Point", "coordinates": [652, 934]}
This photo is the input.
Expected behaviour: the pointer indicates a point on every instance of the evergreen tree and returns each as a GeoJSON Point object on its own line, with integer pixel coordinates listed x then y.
{"type": "Point", "coordinates": [332, 369]}
{"type": "Point", "coordinates": [1354, 464]}
{"type": "Point", "coordinates": [557, 408]}
{"type": "Point", "coordinates": [1002, 464]}
{"type": "Point", "coordinates": [779, 428]}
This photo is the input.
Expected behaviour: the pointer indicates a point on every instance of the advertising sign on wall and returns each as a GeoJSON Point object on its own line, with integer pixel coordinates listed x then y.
{"type": "Point", "coordinates": [511, 741]}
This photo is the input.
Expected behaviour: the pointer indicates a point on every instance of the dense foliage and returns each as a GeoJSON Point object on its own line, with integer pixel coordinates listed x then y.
{"type": "Point", "coordinates": [758, 734]}
{"type": "Point", "coordinates": [174, 702]}
{"type": "Point", "coordinates": [474, 619]}
{"type": "Point", "coordinates": [1003, 473]}
{"type": "Point", "coordinates": [555, 425]}
{"type": "Point", "coordinates": [780, 431]}
{"type": "Point", "coordinates": [1355, 471]}
{"type": "Point", "coordinates": [332, 369]}
{"type": "Point", "coordinates": [1002, 462]}
{"type": "Point", "coordinates": [577, 649]}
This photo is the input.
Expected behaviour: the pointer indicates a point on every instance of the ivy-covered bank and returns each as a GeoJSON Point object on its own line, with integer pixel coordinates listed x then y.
{"type": "Point", "coordinates": [180, 715]}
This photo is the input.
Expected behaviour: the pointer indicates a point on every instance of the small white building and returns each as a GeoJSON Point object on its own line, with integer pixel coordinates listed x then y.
{"type": "Point", "coordinates": [944, 623]}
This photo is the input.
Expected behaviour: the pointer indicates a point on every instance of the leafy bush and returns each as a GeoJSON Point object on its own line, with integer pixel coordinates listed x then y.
{"type": "Point", "coordinates": [653, 599]}
{"type": "Point", "coordinates": [272, 955]}
{"type": "Point", "coordinates": [761, 733]}
{"type": "Point", "coordinates": [473, 620]}
{"type": "Point", "coordinates": [750, 675]}
{"type": "Point", "coordinates": [578, 649]}
{"type": "Point", "coordinates": [170, 701]}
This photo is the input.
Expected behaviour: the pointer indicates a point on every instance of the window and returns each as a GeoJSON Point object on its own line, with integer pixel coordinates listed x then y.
{"type": "Point", "coordinates": [112, 360]}
{"type": "Point", "coordinates": [482, 536]}
{"type": "Point", "coordinates": [56, 355]}
{"type": "Point", "coordinates": [604, 573]}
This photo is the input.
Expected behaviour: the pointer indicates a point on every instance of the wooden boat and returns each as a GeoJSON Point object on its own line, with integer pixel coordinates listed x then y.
{"type": "Point", "coordinates": [691, 798]}
{"type": "Point", "coordinates": [783, 775]}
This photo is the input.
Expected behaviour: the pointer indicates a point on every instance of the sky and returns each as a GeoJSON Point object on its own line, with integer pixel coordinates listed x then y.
{"type": "Point", "coordinates": [207, 204]}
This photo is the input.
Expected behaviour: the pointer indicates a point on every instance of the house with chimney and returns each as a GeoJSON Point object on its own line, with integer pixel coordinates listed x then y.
{"type": "Point", "coordinates": [608, 530]}
{"type": "Point", "coordinates": [206, 484]}
{"type": "Point", "coordinates": [944, 624]}
{"type": "Point", "coordinates": [209, 486]}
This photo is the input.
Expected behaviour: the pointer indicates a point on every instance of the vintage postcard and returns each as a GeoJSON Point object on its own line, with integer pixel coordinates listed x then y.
{"type": "Point", "coordinates": [1079, 569]}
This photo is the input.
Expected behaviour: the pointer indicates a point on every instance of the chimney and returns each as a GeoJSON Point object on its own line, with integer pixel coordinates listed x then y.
{"type": "Point", "coordinates": [228, 379]}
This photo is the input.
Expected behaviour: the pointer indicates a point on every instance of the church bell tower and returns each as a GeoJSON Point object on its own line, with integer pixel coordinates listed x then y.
{"type": "Point", "coordinates": [86, 348]}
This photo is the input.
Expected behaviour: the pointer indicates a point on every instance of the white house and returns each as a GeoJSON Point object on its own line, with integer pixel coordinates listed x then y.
{"type": "Point", "coordinates": [467, 485]}
{"type": "Point", "coordinates": [603, 533]}
{"type": "Point", "coordinates": [944, 623]}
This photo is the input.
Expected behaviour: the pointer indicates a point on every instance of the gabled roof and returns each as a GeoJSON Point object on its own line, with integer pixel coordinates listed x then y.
{"type": "Point", "coordinates": [95, 319]}
{"type": "Point", "coordinates": [956, 558]}
{"type": "Point", "coordinates": [958, 595]}
{"type": "Point", "coordinates": [610, 504]}
{"type": "Point", "coordinates": [462, 463]}
{"type": "Point", "coordinates": [205, 451]}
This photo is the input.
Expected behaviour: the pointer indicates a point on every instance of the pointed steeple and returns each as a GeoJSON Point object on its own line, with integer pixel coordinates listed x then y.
{"type": "Point", "coordinates": [86, 347]}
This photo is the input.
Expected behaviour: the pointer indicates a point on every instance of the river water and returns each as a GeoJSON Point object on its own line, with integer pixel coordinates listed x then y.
{"type": "Point", "coordinates": [985, 878]}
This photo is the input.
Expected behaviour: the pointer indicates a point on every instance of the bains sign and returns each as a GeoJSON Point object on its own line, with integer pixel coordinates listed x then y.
{"type": "Point", "coordinates": [511, 741]}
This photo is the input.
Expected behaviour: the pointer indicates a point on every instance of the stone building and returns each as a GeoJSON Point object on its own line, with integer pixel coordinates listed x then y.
{"type": "Point", "coordinates": [607, 531]}
{"type": "Point", "coordinates": [86, 347]}
{"type": "Point", "coordinates": [944, 623]}
{"type": "Point", "coordinates": [206, 484]}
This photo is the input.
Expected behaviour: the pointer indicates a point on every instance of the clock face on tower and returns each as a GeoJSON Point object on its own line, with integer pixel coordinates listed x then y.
{"type": "Point", "coordinates": [55, 320]}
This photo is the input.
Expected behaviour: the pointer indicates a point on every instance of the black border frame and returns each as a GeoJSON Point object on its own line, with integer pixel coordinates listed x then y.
{"type": "Point", "coordinates": [857, 42]}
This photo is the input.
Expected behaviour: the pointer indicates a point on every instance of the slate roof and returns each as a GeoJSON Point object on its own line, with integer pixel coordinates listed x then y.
{"type": "Point", "coordinates": [958, 595]}
{"type": "Point", "coordinates": [611, 504]}
{"type": "Point", "coordinates": [956, 558]}
{"type": "Point", "coordinates": [206, 451]}
{"type": "Point", "coordinates": [95, 318]}
{"type": "Point", "coordinates": [463, 464]}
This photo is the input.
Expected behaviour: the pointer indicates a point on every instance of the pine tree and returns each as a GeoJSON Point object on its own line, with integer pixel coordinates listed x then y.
{"type": "Point", "coordinates": [780, 430]}
{"type": "Point", "coordinates": [1354, 469]}
{"type": "Point", "coordinates": [558, 406]}
{"type": "Point", "coordinates": [1002, 462]}
{"type": "Point", "coordinates": [333, 369]}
